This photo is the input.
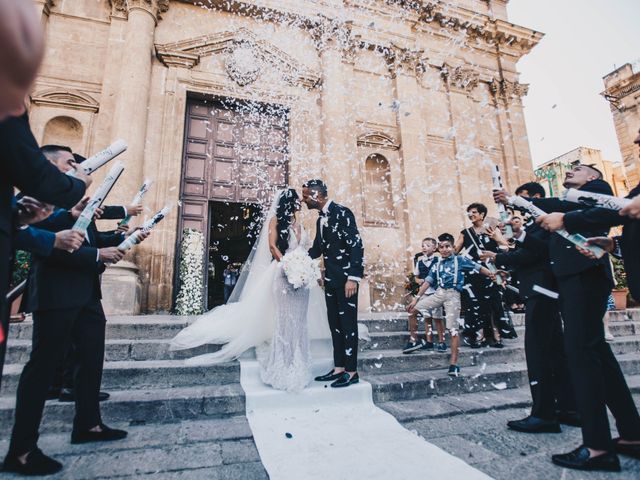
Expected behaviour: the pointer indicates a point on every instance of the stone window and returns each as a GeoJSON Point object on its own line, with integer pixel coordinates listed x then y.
{"type": "Point", "coordinates": [378, 193]}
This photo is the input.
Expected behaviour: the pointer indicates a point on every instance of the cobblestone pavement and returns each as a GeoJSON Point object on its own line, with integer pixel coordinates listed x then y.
{"type": "Point", "coordinates": [484, 441]}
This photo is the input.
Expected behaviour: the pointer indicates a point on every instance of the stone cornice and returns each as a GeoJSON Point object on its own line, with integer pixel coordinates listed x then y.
{"type": "Point", "coordinates": [378, 139]}
{"type": "Point", "coordinates": [618, 92]}
{"type": "Point", "coordinates": [508, 89]}
{"type": "Point", "coordinates": [463, 78]}
{"type": "Point", "coordinates": [121, 8]}
{"type": "Point", "coordinates": [187, 54]}
{"type": "Point", "coordinates": [65, 98]}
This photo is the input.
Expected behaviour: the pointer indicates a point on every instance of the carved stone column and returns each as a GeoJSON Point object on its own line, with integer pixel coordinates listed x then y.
{"type": "Point", "coordinates": [338, 140]}
{"type": "Point", "coordinates": [130, 117]}
{"type": "Point", "coordinates": [508, 103]}
{"type": "Point", "coordinates": [405, 67]}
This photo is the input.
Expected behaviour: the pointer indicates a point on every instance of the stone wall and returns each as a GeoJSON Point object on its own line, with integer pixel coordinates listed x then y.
{"type": "Point", "coordinates": [433, 89]}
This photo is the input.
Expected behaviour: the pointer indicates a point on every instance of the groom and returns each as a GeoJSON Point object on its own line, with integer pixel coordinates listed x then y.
{"type": "Point", "coordinates": [338, 241]}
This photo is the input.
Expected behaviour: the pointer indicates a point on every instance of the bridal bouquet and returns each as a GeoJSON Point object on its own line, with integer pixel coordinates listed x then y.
{"type": "Point", "coordinates": [301, 270]}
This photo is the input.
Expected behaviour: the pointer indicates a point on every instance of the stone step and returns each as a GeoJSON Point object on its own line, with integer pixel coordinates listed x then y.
{"type": "Point", "coordinates": [158, 349]}
{"type": "Point", "coordinates": [132, 375]}
{"type": "Point", "coordinates": [142, 327]}
{"type": "Point", "coordinates": [384, 361]}
{"type": "Point", "coordinates": [213, 449]}
{"type": "Point", "coordinates": [145, 327]}
{"type": "Point", "coordinates": [470, 403]}
{"type": "Point", "coordinates": [117, 350]}
{"type": "Point", "coordinates": [150, 406]}
{"type": "Point", "coordinates": [396, 339]}
{"type": "Point", "coordinates": [397, 321]}
{"type": "Point", "coordinates": [413, 385]}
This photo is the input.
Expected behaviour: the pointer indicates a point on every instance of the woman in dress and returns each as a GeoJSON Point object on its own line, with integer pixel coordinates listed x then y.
{"type": "Point", "coordinates": [483, 309]}
{"type": "Point", "coordinates": [264, 310]}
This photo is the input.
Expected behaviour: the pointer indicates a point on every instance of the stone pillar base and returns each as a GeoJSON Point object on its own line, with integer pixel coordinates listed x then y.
{"type": "Point", "coordinates": [121, 289]}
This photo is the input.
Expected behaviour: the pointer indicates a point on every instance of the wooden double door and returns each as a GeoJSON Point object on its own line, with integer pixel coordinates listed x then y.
{"type": "Point", "coordinates": [235, 152]}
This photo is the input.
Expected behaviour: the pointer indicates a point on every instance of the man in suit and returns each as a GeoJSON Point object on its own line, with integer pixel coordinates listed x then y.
{"type": "Point", "coordinates": [627, 246]}
{"type": "Point", "coordinates": [23, 166]}
{"type": "Point", "coordinates": [551, 392]}
{"type": "Point", "coordinates": [584, 285]}
{"type": "Point", "coordinates": [64, 296]}
{"type": "Point", "coordinates": [338, 241]}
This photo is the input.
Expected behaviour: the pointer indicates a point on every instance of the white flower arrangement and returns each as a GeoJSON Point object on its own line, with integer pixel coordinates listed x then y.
{"type": "Point", "coordinates": [190, 298]}
{"type": "Point", "coordinates": [301, 270]}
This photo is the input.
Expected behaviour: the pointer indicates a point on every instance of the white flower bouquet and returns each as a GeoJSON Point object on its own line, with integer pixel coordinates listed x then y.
{"type": "Point", "coordinates": [301, 270]}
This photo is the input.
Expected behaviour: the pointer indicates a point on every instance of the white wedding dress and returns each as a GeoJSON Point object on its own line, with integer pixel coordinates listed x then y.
{"type": "Point", "coordinates": [287, 365]}
{"type": "Point", "coordinates": [265, 312]}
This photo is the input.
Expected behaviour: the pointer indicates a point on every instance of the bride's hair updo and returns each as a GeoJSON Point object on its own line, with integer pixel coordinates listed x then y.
{"type": "Point", "coordinates": [288, 205]}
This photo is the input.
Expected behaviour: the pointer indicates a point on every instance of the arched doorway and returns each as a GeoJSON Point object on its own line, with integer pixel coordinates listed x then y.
{"type": "Point", "coordinates": [235, 156]}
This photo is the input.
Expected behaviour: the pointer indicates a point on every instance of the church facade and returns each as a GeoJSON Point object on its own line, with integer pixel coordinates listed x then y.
{"type": "Point", "coordinates": [401, 106]}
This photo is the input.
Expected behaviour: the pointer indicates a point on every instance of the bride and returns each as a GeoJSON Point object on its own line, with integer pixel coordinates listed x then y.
{"type": "Point", "coordinates": [264, 310]}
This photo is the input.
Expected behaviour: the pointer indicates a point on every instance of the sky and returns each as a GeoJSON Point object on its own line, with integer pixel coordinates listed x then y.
{"type": "Point", "coordinates": [585, 40]}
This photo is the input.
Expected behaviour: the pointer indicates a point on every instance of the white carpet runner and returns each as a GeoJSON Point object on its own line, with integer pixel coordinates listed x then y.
{"type": "Point", "coordinates": [325, 433]}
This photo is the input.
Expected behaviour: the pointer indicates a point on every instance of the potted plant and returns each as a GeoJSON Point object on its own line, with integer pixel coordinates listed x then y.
{"type": "Point", "coordinates": [21, 265]}
{"type": "Point", "coordinates": [620, 290]}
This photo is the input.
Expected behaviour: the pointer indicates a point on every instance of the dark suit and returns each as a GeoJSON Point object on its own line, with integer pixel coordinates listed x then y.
{"type": "Point", "coordinates": [543, 342]}
{"type": "Point", "coordinates": [113, 212]}
{"type": "Point", "coordinates": [596, 218]}
{"type": "Point", "coordinates": [584, 287]}
{"type": "Point", "coordinates": [22, 165]}
{"type": "Point", "coordinates": [338, 241]}
{"type": "Point", "coordinates": [64, 296]}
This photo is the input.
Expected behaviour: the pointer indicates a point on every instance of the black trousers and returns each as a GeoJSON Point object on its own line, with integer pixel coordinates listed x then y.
{"type": "Point", "coordinates": [547, 367]}
{"type": "Point", "coordinates": [6, 259]}
{"type": "Point", "coordinates": [597, 378]}
{"type": "Point", "coordinates": [53, 332]}
{"type": "Point", "coordinates": [343, 322]}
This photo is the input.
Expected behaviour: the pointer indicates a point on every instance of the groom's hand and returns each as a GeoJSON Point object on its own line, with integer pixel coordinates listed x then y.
{"type": "Point", "coordinates": [350, 288]}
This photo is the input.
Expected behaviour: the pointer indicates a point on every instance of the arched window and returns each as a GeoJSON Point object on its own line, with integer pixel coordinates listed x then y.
{"type": "Point", "coordinates": [64, 131]}
{"type": "Point", "coordinates": [378, 201]}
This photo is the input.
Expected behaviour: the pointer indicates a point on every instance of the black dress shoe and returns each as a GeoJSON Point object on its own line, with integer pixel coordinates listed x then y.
{"type": "Point", "coordinates": [580, 459]}
{"type": "Point", "coordinates": [53, 393]}
{"type": "Point", "coordinates": [37, 464]}
{"type": "Point", "coordinates": [629, 449]}
{"type": "Point", "coordinates": [69, 395]}
{"type": "Point", "coordinates": [534, 425]}
{"type": "Point", "coordinates": [569, 418]}
{"type": "Point", "coordinates": [345, 380]}
{"type": "Point", "coordinates": [329, 377]}
{"type": "Point", "coordinates": [106, 435]}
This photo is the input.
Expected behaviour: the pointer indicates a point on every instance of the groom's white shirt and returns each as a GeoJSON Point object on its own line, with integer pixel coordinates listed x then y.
{"type": "Point", "coordinates": [324, 223]}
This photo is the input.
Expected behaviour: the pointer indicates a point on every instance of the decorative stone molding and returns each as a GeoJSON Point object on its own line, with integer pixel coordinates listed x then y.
{"type": "Point", "coordinates": [240, 47]}
{"type": "Point", "coordinates": [378, 139]}
{"type": "Point", "coordinates": [121, 8]}
{"type": "Point", "coordinates": [477, 27]}
{"type": "Point", "coordinates": [243, 63]}
{"type": "Point", "coordinates": [66, 98]}
{"type": "Point", "coordinates": [510, 90]}
{"type": "Point", "coordinates": [331, 33]}
{"type": "Point", "coordinates": [462, 78]}
{"type": "Point", "coordinates": [403, 60]}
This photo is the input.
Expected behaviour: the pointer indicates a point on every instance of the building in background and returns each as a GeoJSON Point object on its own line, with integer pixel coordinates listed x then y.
{"type": "Point", "coordinates": [623, 93]}
{"type": "Point", "coordinates": [551, 173]}
{"type": "Point", "coordinates": [400, 106]}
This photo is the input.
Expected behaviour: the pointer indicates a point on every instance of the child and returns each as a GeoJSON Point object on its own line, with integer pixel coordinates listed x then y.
{"type": "Point", "coordinates": [447, 276]}
{"type": "Point", "coordinates": [423, 264]}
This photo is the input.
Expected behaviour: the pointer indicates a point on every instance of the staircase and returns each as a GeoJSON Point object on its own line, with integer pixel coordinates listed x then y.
{"type": "Point", "coordinates": [190, 419]}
